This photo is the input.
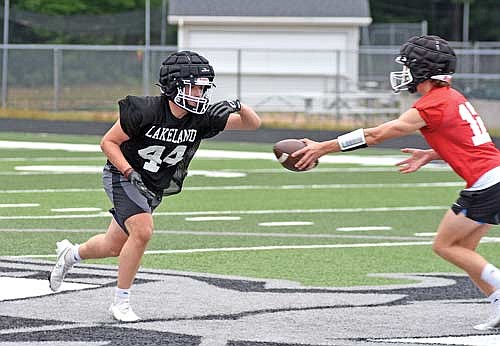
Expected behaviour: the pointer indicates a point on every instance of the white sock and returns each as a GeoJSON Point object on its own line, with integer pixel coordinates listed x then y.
{"type": "Point", "coordinates": [76, 253]}
{"type": "Point", "coordinates": [491, 275]}
{"type": "Point", "coordinates": [495, 298]}
{"type": "Point", "coordinates": [121, 294]}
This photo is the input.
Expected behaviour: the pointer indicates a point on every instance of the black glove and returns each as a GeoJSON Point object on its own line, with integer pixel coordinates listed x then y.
{"type": "Point", "coordinates": [224, 108]}
{"type": "Point", "coordinates": [136, 179]}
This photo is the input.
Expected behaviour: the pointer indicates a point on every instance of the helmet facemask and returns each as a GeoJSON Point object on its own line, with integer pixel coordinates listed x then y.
{"type": "Point", "coordinates": [401, 80]}
{"type": "Point", "coordinates": [186, 99]}
{"type": "Point", "coordinates": [186, 79]}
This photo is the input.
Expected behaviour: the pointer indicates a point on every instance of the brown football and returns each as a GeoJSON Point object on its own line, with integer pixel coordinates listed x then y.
{"type": "Point", "coordinates": [284, 148]}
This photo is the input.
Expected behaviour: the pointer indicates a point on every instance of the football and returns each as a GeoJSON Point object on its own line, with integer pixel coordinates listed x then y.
{"type": "Point", "coordinates": [284, 148]}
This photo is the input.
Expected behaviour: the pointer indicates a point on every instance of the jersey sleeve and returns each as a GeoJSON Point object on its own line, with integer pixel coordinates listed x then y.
{"type": "Point", "coordinates": [130, 119]}
{"type": "Point", "coordinates": [431, 109]}
{"type": "Point", "coordinates": [215, 124]}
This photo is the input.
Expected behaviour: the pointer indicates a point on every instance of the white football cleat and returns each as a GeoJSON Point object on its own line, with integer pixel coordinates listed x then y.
{"type": "Point", "coordinates": [122, 311]}
{"type": "Point", "coordinates": [492, 323]}
{"type": "Point", "coordinates": [64, 263]}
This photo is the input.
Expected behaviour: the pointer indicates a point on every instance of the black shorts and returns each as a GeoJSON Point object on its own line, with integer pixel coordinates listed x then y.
{"type": "Point", "coordinates": [482, 206]}
{"type": "Point", "coordinates": [127, 200]}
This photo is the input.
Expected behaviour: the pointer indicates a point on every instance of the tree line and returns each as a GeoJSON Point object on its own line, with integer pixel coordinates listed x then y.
{"type": "Point", "coordinates": [104, 22]}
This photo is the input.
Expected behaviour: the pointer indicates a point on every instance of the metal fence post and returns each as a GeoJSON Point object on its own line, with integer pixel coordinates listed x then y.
{"type": "Point", "coordinates": [57, 70]}
{"type": "Point", "coordinates": [337, 88]}
{"type": "Point", "coordinates": [147, 43]}
{"type": "Point", "coordinates": [5, 55]}
{"type": "Point", "coordinates": [238, 74]}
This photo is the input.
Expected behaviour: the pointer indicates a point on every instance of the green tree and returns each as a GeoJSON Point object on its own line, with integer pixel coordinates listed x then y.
{"type": "Point", "coordinates": [71, 7]}
{"type": "Point", "coordinates": [86, 22]}
{"type": "Point", "coordinates": [444, 17]}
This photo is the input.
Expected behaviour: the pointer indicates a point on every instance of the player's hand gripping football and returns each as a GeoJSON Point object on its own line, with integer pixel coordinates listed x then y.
{"type": "Point", "coordinates": [224, 108]}
{"type": "Point", "coordinates": [417, 159]}
{"type": "Point", "coordinates": [310, 154]}
{"type": "Point", "coordinates": [136, 179]}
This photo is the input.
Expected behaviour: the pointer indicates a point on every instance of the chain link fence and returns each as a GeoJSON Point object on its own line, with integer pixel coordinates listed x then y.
{"type": "Point", "coordinates": [78, 77]}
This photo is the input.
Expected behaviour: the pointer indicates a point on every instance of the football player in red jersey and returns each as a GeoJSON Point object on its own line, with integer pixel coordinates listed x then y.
{"type": "Point", "coordinates": [149, 150]}
{"type": "Point", "coordinates": [457, 135]}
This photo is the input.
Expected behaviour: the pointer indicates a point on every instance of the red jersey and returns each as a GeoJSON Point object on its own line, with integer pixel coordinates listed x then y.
{"type": "Point", "coordinates": [456, 132]}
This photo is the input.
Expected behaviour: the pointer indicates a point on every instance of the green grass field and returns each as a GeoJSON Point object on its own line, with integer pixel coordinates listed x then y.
{"type": "Point", "coordinates": [243, 234]}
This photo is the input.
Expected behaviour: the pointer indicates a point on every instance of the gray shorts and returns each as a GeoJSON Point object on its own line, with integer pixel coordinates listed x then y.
{"type": "Point", "coordinates": [127, 200]}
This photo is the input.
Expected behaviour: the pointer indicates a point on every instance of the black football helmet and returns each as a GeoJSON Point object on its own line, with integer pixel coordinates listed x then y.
{"type": "Point", "coordinates": [423, 57]}
{"type": "Point", "coordinates": [179, 73]}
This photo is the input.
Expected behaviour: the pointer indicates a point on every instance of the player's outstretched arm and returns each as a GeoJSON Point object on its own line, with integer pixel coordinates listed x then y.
{"type": "Point", "coordinates": [244, 119]}
{"type": "Point", "coordinates": [409, 122]}
{"type": "Point", "coordinates": [417, 159]}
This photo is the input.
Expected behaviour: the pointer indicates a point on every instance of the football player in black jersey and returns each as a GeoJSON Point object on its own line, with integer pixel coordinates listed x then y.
{"type": "Point", "coordinates": [149, 150]}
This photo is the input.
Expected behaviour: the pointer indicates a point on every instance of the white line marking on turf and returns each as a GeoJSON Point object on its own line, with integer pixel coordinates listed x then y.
{"type": "Point", "coordinates": [266, 187]}
{"type": "Point", "coordinates": [324, 186]}
{"type": "Point", "coordinates": [213, 218]}
{"type": "Point", "coordinates": [43, 173]}
{"type": "Point", "coordinates": [89, 148]}
{"type": "Point", "coordinates": [228, 234]}
{"type": "Point", "coordinates": [70, 210]}
{"type": "Point", "coordinates": [19, 205]}
{"type": "Point", "coordinates": [425, 234]}
{"type": "Point", "coordinates": [366, 228]}
{"type": "Point", "coordinates": [51, 190]}
{"type": "Point", "coordinates": [265, 248]}
{"type": "Point", "coordinates": [79, 169]}
{"type": "Point", "coordinates": [288, 247]}
{"type": "Point", "coordinates": [57, 159]}
{"type": "Point", "coordinates": [285, 223]}
{"type": "Point", "coordinates": [236, 212]}
{"type": "Point", "coordinates": [428, 167]}
{"type": "Point", "coordinates": [61, 168]}
{"type": "Point", "coordinates": [219, 154]}
{"type": "Point", "coordinates": [284, 235]}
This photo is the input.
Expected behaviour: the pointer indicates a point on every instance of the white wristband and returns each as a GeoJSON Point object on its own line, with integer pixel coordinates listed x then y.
{"type": "Point", "coordinates": [352, 140]}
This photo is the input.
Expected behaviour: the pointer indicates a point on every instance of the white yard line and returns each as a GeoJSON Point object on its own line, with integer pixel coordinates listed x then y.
{"type": "Point", "coordinates": [88, 148]}
{"type": "Point", "coordinates": [285, 223]}
{"type": "Point", "coordinates": [51, 190]}
{"type": "Point", "coordinates": [226, 234]}
{"type": "Point", "coordinates": [378, 160]}
{"type": "Point", "coordinates": [20, 205]}
{"type": "Point", "coordinates": [234, 212]}
{"type": "Point", "coordinates": [213, 218]}
{"type": "Point", "coordinates": [272, 248]}
{"type": "Point", "coordinates": [289, 247]}
{"type": "Point", "coordinates": [364, 228]}
{"type": "Point", "coordinates": [265, 187]}
{"type": "Point", "coordinates": [264, 248]}
{"type": "Point", "coordinates": [58, 159]}
{"type": "Point", "coordinates": [71, 210]}
{"type": "Point", "coordinates": [324, 186]}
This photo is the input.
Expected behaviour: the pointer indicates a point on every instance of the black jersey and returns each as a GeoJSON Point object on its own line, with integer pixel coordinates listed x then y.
{"type": "Point", "coordinates": [161, 146]}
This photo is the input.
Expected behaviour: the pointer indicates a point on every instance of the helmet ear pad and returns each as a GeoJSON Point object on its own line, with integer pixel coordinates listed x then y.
{"type": "Point", "coordinates": [170, 80]}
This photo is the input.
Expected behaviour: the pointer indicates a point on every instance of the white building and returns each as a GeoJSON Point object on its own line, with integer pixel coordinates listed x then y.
{"type": "Point", "coordinates": [275, 53]}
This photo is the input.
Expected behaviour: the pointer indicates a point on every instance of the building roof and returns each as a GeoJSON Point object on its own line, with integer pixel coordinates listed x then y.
{"type": "Point", "coordinates": [269, 8]}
